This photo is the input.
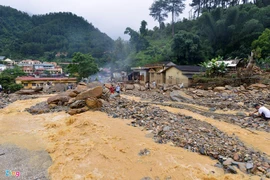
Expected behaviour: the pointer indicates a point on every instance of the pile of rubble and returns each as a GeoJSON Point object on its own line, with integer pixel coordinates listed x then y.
{"type": "Point", "coordinates": [79, 100]}
{"type": "Point", "coordinates": [231, 98]}
{"type": "Point", "coordinates": [191, 134]}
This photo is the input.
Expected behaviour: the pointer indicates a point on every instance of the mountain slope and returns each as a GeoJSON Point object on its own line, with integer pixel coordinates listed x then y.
{"type": "Point", "coordinates": [38, 36]}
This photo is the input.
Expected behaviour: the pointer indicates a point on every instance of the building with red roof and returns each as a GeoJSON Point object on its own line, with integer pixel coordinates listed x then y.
{"type": "Point", "coordinates": [33, 82]}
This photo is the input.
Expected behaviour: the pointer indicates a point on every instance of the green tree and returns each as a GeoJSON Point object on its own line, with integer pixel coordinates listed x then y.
{"type": "Point", "coordinates": [175, 7]}
{"type": "Point", "coordinates": [83, 65]}
{"type": "Point", "coordinates": [160, 9]}
{"type": "Point", "coordinates": [137, 40]}
{"type": "Point", "coordinates": [186, 47]}
{"type": "Point", "coordinates": [263, 43]}
{"type": "Point", "coordinates": [157, 11]}
{"type": "Point", "coordinates": [143, 30]}
{"type": "Point", "coordinates": [7, 79]}
{"type": "Point", "coordinates": [13, 73]}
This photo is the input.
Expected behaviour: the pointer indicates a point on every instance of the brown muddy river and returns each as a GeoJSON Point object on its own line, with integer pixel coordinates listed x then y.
{"type": "Point", "coordinates": [92, 145]}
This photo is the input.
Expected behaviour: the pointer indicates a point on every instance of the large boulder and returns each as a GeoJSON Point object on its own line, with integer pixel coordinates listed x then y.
{"type": "Point", "coordinates": [59, 87]}
{"type": "Point", "coordinates": [257, 86]}
{"type": "Point", "coordinates": [71, 100]}
{"type": "Point", "coordinates": [93, 92]}
{"type": "Point", "coordinates": [228, 87]}
{"type": "Point", "coordinates": [77, 104]}
{"type": "Point", "coordinates": [72, 94]}
{"type": "Point", "coordinates": [45, 88]}
{"type": "Point", "coordinates": [80, 88]}
{"type": "Point", "coordinates": [179, 96]}
{"type": "Point", "coordinates": [201, 93]}
{"type": "Point", "coordinates": [105, 94]}
{"type": "Point", "coordinates": [219, 89]}
{"type": "Point", "coordinates": [93, 103]}
{"type": "Point", "coordinates": [142, 88]}
{"type": "Point", "coordinates": [77, 111]}
{"type": "Point", "coordinates": [137, 87]}
{"type": "Point", "coordinates": [175, 87]}
{"type": "Point", "coordinates": [129, 87]}
{"type": "Point", "coordinates": [58, 99]}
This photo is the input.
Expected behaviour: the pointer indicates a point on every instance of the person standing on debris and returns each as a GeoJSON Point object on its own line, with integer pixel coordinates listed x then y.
{"type": "Point", "coordinates": [117, 89]}
{"type": "Point", "coordinates": [112, 89]}
{"type": "Point", "coordinates": [154, 84]}
{"type": "Point", "coordinates": [147, 85]}
{"type": "Point", "coordinates": [262, 111]}
{"type": "Point", "coordinates": [1, 88]}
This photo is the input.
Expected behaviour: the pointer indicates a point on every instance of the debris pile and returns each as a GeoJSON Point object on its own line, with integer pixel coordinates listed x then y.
{"type": "Point", "coordinates": [74, 101]}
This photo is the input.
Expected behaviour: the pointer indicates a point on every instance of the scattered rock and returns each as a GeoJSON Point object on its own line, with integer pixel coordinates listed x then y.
{"type": "Point", "coordinates": [77, 104]}
{"type": "Point", "coordinates": [219, 89]}
{"type": "Point", "coordinates": [93, 103]}
{"type": "Point", "coordinates": [77, 111]}
{"type": "Point", "coordinates": [258, 86]}
{"type": "Point", "coordinates": [144, 152]}
{"type": "Point", "coordinates": [236, 156]}
{"type": "Point", "coordinates": [179, 96]}
{"type": "Point", "coordinates": [129, 87]}
{"type": "Point", "coordinates": [231, 169]}
{"type": "Point", "coordinates": [228, 162]}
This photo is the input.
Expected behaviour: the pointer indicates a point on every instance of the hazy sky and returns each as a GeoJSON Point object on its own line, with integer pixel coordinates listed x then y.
{"type": "Point", "coordinates": [109, 16]}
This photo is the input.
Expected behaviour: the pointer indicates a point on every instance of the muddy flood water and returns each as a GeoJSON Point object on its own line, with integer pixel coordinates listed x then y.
{"type": "Point", "coordinates": [92, 145]}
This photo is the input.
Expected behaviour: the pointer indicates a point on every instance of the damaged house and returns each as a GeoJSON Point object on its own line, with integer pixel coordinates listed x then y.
{"type": "Point", "coordinates": [165, 73]}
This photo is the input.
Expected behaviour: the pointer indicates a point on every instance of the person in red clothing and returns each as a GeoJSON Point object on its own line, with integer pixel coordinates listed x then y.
{"type": "Point", "coordinates": [112, 89]}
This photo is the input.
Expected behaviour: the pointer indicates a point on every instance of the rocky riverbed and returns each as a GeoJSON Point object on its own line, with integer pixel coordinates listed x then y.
{"type": "Point", "coordinates": [225, 98]}
{"type": "Point", "coordinates": [240, 99]}
{"type": "Point", "coordinates": [191, 134]}
{"type": "Point", "coordinates": [240, 118]}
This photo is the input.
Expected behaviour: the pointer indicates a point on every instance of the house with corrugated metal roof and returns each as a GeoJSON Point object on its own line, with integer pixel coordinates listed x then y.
{"type": "Point", "coordinates": [166, 73]}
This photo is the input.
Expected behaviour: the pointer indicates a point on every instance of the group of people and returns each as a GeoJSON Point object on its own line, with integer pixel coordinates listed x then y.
{"type": "Point", "coordinates": [147, 85]}
{"type": "Point", "coordinates": [113, 89]}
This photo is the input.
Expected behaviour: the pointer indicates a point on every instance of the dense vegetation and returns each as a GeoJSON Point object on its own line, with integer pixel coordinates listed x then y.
{"type": "Point", "coordinates": [83, 66]}
{"type": "Point", "coordinates": [217, 28]}
{"type": "Point", "coordinates": [7, 79]}
{"type": "Point", "coordinates": [43, 36]}
{"type": "Point", "coordinates": [229, 30]}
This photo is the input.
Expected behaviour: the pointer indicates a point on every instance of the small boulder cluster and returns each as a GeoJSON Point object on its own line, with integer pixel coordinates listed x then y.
{"type": "Point", "coordinates": [80, 99]}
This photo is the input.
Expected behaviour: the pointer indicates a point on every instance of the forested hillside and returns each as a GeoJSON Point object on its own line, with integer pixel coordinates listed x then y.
{"type": "Point", "coordinates": [43, 36]}
{"type": "Point", "coordinates": [232, 31]}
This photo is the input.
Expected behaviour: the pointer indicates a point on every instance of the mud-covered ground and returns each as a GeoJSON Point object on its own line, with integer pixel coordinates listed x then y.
{"type": "Point", "coordinates": [148, 138]}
